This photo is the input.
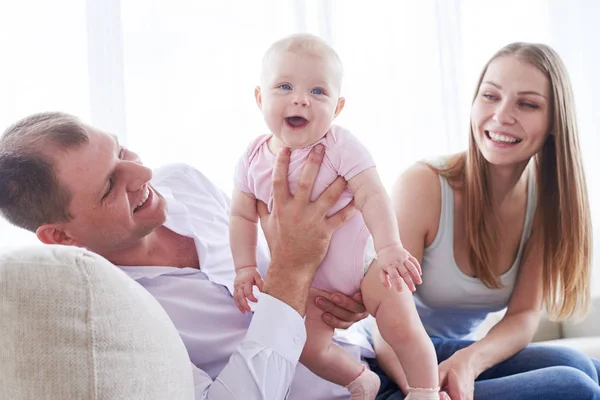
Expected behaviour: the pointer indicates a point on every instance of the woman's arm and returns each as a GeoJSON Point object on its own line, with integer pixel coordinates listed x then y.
{"type": "Point", "coordinates": [509, 336]}
{"type": "Point", "coordinates": [517, 327]}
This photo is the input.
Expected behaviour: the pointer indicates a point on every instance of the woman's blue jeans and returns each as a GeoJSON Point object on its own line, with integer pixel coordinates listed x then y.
{"type": "Point", "coordinates": [536, 372]}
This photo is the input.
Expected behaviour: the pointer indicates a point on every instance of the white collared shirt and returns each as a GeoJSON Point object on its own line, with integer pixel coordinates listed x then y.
{"type": "Point", "coordinates": [235, 355]}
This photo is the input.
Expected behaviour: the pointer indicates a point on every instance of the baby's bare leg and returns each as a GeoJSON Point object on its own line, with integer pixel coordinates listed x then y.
{"type": "Point", "coordinates": [401, 328]}
{"type": "Point", "coordinates": [329, 361]}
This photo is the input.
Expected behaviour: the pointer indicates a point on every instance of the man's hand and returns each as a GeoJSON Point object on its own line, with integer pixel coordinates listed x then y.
{"type": "Point", "coordinates": [341, 311]}
{"type": "Point", "coordinates": [298, 230]}
{"type": "Point", "coordinates": [457, 378]}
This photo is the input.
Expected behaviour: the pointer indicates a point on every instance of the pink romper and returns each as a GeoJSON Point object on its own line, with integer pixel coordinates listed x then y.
{"type": "Point", "coordinates": [344, 265]}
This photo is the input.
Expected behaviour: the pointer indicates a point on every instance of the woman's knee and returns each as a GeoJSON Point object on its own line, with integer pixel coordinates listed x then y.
{"type": "Point", "coordinates": [564, 356]}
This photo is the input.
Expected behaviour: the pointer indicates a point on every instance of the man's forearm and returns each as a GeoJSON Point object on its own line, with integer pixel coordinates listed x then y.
{"type": "Point", "coordinates": [290, 285]}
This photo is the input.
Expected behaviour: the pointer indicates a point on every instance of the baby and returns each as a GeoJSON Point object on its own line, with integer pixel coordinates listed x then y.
{"type": "Point", "coordinates": [299, 96]}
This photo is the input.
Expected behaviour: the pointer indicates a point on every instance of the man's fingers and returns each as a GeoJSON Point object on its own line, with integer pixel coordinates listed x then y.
{"type": "Point", "coordinates": [341, 217]}
{"type": "Point", "coordinates": [335, 322]}
{"type": "Point", "coordinates": [281, 190]}
{"type": "Point", "coordinates": [262, 209]}
{"type": "Point", "coordinates": [353, 304]}
{"type": "Point", "coordinates": [309, 173]}
{"type": "Point", "coordinates": [331, 195]}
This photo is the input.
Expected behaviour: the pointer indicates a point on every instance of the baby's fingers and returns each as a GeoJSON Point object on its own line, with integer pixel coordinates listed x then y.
{"type": "Point", "coordinates": [384, 279]}
{"type": "Point", "coordinates": [248, 293]}
{"type": "Point", "coordinates": [240, 300]}
{"type": "Point", "coordinates": [395, 278]}
{"type": "Point", "coordinates": [412, 269]}
{"type": "Point", "coordinates": [408, 279]}
{"type": "Point", "coordinates": [258, 281]}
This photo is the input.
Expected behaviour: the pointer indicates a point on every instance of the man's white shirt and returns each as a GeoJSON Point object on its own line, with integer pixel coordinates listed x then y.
{"type": "Point", "coordinates": [234, 355]}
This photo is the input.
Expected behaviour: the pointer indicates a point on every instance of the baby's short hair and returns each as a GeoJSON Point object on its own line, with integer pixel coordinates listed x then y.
{"type": "Point", "coordinates": [304, 44]}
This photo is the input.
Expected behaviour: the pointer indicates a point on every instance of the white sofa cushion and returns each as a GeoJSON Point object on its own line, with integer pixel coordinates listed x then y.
{"type": "Point", "coordinates": [74, 326]}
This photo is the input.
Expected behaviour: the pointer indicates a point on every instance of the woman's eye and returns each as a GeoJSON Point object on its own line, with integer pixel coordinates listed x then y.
{"type": "Point", "coordinates": [489, 96]}
{"type": "Point", "coordinates": [530, 105]}
{"type": "Point", "coordinates": [285, 86]}
{"type": "Point", "coordinates": [317, 91]}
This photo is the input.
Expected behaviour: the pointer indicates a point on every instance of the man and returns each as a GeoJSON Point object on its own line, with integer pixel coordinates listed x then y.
{"type": "Point", "coordinates": [72, 184]}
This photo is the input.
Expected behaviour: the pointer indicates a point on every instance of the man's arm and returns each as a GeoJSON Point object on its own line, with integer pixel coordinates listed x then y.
{"type": "Point", "coordinates": [263, 365]}
{"type": "Point", "coordinates": [298, 231]}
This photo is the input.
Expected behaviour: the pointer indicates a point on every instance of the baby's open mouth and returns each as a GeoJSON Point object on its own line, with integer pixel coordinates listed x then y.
{"type": "Point", "coordinates": [296, 122]}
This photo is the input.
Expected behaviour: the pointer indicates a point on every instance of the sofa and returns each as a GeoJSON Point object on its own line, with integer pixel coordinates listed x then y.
{"type": "Point", "coordinates": [74, 326]}
{"type": "Point", "coordinates": [581, 334]}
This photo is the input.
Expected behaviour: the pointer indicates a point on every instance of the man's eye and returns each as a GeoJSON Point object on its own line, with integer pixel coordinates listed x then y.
{"type": "Point", "coordinates": [110, 188]}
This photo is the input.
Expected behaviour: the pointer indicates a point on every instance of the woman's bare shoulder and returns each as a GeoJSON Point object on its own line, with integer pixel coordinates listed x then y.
{"type": "Point", "coordinates": [417, 194]}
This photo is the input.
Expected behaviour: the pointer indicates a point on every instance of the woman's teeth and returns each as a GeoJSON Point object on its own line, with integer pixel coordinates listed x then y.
{"type": "Point", "coordinates": [501, 138]}
{"type": "Point", "coordinates": [146, 194]}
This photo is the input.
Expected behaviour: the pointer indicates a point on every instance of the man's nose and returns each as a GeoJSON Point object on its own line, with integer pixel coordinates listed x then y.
{"type": "Point", "coordinates": [135, 175]}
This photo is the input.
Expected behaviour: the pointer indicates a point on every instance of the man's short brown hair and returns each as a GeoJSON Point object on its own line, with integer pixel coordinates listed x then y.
{"type": "Point", "coordinates": [30, 194]}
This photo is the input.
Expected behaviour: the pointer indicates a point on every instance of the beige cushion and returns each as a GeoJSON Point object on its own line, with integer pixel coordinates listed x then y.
{"type": "Point", "coordinates": [589, 326]}
{"type": "Point", "coordinates": [73, 326]}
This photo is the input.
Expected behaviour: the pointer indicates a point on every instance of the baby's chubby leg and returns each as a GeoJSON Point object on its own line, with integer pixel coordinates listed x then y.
{"type": "Point", "coordinates": [401, 328]}
{"type": "Point", "coordinates": [329, 361]}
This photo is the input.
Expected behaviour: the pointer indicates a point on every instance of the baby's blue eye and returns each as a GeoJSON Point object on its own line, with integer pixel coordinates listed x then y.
{"type": "Point", "coordinates": [317, 91]}
{"type": "Point", "coordinates": [285, 86]}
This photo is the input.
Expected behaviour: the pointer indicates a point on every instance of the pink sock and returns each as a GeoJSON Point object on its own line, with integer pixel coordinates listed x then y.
{"type": "Point", "coordinates": [365, 386]}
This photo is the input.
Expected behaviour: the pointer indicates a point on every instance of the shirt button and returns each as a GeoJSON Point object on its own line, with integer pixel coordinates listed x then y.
{"type": "Point", "coordinates": [297, 340]}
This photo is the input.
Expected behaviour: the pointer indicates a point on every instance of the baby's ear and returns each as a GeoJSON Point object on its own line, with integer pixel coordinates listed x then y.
{"type": "Point", "coordinates": [258, 97]}
{"type": "Point", "coordinates": [340, 106]}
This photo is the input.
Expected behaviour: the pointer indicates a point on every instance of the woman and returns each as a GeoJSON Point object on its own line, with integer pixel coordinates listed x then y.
{"type": "Point", "coordinates": [505, 224]}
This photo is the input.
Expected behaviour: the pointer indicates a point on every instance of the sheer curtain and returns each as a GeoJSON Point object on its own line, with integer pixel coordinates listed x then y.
{"type": "Point", "coordinates": [175, 79]}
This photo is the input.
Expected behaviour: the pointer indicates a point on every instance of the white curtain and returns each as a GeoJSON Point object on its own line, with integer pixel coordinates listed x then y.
{"type": "Point", "coordinates": [175, 79]}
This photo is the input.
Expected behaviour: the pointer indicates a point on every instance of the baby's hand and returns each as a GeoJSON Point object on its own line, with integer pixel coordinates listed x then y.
{"type": "Point", "coordinates": [245, 279]}
{"type": "Point", "coordinates": [398, 264]}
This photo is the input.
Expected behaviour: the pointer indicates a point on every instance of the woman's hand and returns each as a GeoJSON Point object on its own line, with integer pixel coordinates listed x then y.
{"type": "Point", "coordinates": [457, 377]}
{"type": "Point", "coordinates": [341, 311]}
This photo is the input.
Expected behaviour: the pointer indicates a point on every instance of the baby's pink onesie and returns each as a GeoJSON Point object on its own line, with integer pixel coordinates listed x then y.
{"type": "Point", "coordinates": [344, 265]}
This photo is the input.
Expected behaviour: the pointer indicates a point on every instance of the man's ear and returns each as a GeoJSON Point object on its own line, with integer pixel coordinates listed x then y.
{"type": "Point", "coordinates": [258, 97]}
{"type": "Point", "coordinates": [54, 234]}
{"type": "Point", "coordinates": [340, 106]}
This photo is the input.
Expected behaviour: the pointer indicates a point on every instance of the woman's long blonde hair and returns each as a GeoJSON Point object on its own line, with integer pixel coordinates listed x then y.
{"type": "Point", "coordinates": [562, 213]}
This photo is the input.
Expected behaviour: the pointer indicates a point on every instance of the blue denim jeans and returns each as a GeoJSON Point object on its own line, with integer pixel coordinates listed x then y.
{"type": "Point", "coordinates": [536, 372]}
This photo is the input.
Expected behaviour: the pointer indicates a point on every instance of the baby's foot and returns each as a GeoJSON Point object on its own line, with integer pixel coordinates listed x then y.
{"type": "Point", "coordinates": [365, 386]}
{"type": "Point", "coordinates": [423, 394]}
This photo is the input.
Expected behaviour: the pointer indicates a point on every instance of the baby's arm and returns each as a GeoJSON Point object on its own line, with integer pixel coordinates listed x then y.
{"type": "Point", "coordinates": [372, 200]}
{"type": "Point", "coordinates": [243, 235]}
